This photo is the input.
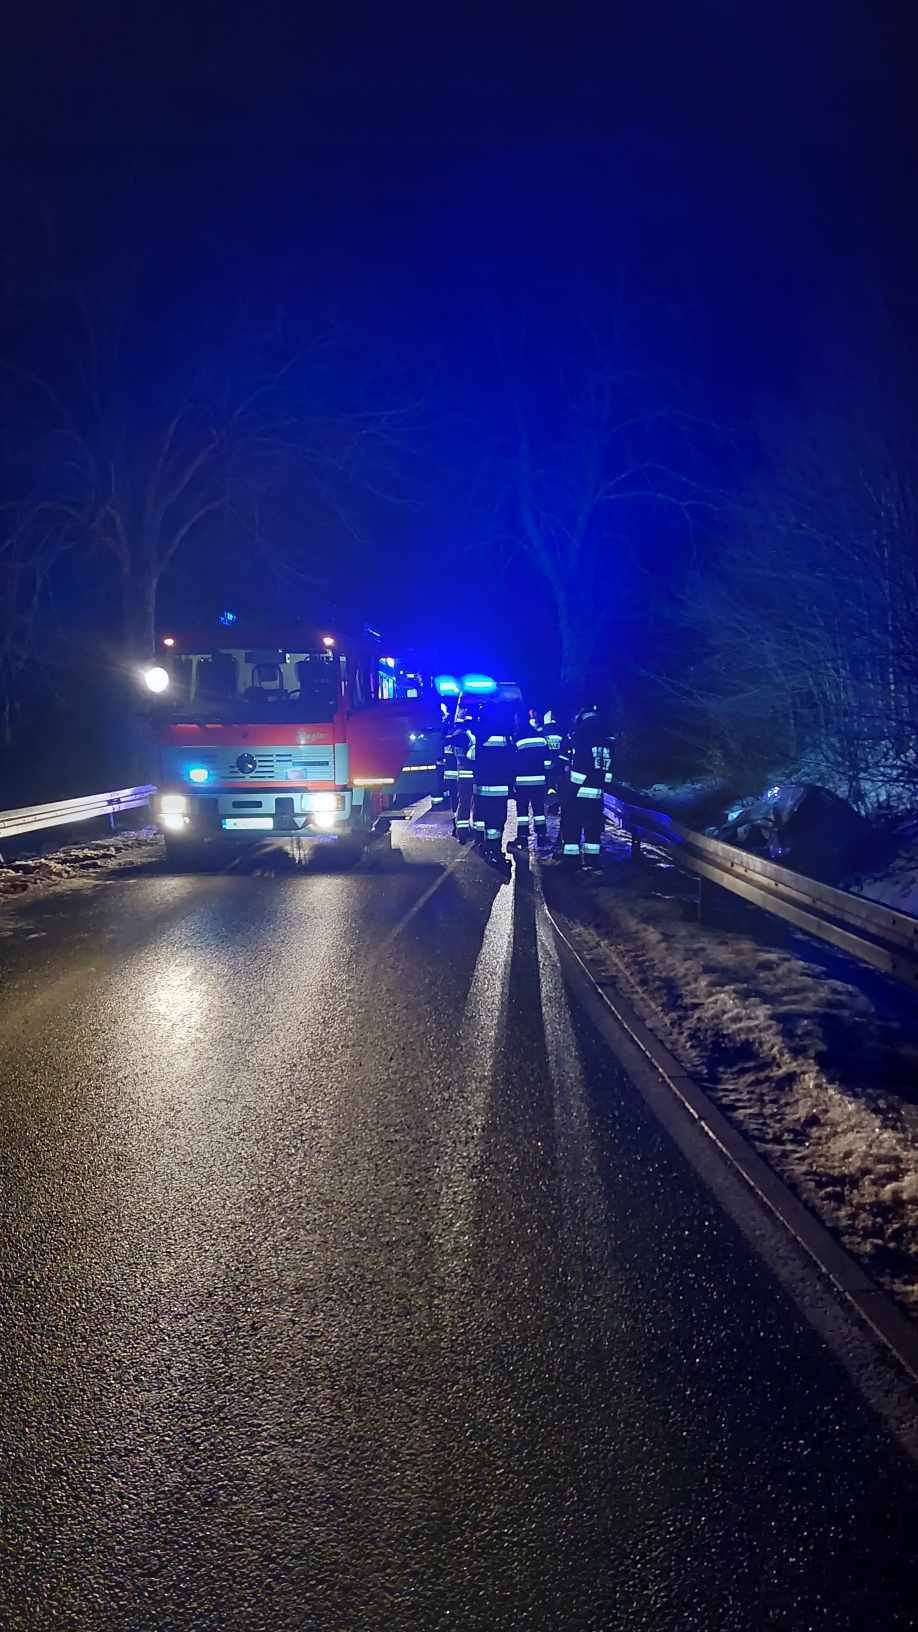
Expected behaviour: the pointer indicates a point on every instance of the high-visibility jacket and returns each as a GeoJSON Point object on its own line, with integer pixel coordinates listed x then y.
{"type": "Point", "coordinates": [588, 756]}
{"type": "Point", "coordinates": [554, 739]}
{"type": "Point", "coordinates": [531, 760]}
{"type": "Point", "coordinates": [450, 768]}
{"type": "Point", "coordinates": [552, 732]}
{"type": "Point", "coordinates": [462, 742]}
{"type": "Point", "coordinates": [493, 762]}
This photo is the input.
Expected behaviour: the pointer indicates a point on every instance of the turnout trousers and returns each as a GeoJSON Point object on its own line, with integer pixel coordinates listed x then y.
{"type": "Point", "coordinates": [490, 820]}
{"type": "Point", "coordinates": [581, 822]}
{"type": "Point", "coordinates": [530, 799]}
{"type": "Point", "coordinates": [462, 815]}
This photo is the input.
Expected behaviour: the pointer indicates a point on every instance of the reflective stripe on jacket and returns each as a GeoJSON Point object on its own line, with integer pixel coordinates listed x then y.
{"type": "Point", "coordinates": [462, 743]}
{"type": "Point", "coordinates": [530, 761]}
{"type": "Point", "coordinates": [493, 766]}
{"type": "Point", "coordinates": [590, 754]}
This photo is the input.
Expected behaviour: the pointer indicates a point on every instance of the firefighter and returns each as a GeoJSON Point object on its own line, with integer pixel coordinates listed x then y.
{"type": "Point", "coordinates": [445, 763]}
{"type": "Point", "coordinates": [553, 737]}
{"type": "Point", "coordinates": [462, 739]}
{"type": "Point", "coordinates": [530, 777]}
{"type": "Point", "coordinates": [492, 782]}
{"type": "Point", "coordinates": [450, 769]}
{"type": "Point", "coordinates": [586, 759]}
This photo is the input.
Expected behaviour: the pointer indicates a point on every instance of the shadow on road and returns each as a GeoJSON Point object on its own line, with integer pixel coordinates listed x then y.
{"type": "Point", "coordinates": [286, 858]}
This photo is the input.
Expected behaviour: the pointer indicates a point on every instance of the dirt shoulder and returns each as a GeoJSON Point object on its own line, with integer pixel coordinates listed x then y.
{"type": "Point", "coordinates": [75, 864]}
{"type": "Point", "coordinates": [814, 1057]}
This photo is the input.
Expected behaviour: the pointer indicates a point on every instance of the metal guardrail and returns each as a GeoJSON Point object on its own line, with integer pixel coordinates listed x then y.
{"type": "Point", "coordinates": [876, 934]}
{"type": "Point", "coordinates": [31, 818]}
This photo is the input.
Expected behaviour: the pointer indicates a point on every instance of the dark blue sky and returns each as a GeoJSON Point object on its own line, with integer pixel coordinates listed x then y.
{"type": "Point", "coordinates": [752, 169]}
{"type": "Point", "coordinates": [409, 154]}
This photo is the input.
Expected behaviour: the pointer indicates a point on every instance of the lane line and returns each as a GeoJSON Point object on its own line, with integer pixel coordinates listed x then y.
{"type": "Point", "coordinates": [421, 901]}
{"type": "Point", "coordinates": [467, 850]}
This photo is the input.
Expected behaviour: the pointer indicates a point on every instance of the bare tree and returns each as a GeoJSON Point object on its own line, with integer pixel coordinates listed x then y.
{"type": "Point", "coordinates": [30, 547]}
{"type": "Point", "coordinates": [139, 474]}
{"type": "Point", "coordinates": [603, 448]}
{"type": "Point", "coordinates": [804, 620]}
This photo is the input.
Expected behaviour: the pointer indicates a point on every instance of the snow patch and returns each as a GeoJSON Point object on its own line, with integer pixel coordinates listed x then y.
{"type": "Point", "coordinates": [896, 882]}
{"type": "Point", "coordinates": [819, 1071]}
{"type": "Point", "coordinates": [79, 862]}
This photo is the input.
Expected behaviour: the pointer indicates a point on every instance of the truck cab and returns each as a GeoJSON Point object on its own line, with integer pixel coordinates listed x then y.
{"type": "Point", "coordinates": [278, 733]}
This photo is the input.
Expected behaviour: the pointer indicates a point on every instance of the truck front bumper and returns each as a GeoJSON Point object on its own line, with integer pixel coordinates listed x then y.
{"type": "Point", "coordinates": [241, 815]}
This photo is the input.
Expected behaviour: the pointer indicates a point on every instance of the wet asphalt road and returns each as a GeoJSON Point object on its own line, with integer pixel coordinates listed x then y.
{"type": "Point", "coordinates": [347, 1284]}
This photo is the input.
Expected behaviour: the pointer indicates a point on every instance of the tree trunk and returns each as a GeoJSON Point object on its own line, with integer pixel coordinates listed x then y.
{"type": "Point", "coordinates": [129, 733]}
{"type": "Point", "coordinates": [576, 628]}
{"type": "Point", "coordinates": [138, 599]}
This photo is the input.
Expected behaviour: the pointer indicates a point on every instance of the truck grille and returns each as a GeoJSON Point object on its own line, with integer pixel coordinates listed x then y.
{"type": "Point", "coordinates": [309, 767]}
{"type": "Point", "coordinates": [273, 765]}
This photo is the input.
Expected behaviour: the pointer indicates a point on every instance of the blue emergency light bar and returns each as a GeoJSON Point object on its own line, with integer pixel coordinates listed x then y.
{"type": "Point", "coordinates": [446, 685]}
{"type": "Point", "coordinates": [478, 682]}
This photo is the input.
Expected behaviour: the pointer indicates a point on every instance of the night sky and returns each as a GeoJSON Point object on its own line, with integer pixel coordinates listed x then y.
{"type": "Point", "coordinates": [428, 176]}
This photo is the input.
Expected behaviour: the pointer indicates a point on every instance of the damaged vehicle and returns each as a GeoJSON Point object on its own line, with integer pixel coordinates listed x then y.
{"type": "Point", "coordinates": [802, 826]}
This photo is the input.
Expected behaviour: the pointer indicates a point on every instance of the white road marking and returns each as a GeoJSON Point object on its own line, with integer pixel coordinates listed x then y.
{"type": "Point", "coordinates": [421, 901]}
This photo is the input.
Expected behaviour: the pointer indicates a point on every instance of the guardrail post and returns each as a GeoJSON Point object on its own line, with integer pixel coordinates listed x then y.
{"type": "Point", "coordinates": [705, 900]}
{"type": "Point", "coordinates": [635, 847]}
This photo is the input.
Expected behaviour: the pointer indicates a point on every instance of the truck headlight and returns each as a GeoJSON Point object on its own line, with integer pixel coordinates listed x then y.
{"type": "Point", "coordinates": [173, 804]}
{"type": "Point", "coordinates": [156, 679]}
{"type": "Point", "coordinates": [324, 802]}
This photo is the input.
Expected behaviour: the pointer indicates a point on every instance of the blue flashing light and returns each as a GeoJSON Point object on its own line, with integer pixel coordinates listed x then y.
{"type": "Point", "coordinates": [227, 618]}
{"type": "Point", "coordinates": [446, 685]}
{"type": "Point", "coordinates": [478, 682]}
{"type": "Point", "coordinates": [388, 661]}
{"type": "Point", "coordinates": [198, 773]}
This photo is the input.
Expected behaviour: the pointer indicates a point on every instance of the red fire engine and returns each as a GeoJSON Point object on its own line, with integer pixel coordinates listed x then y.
{"type": "Point", "coordinates": [284, 732]}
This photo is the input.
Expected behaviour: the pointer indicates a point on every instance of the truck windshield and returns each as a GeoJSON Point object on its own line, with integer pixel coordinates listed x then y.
{"type": "Point", "coordinates": [258, 685]}
{"type": "Point", "coordinates": [399, 683]}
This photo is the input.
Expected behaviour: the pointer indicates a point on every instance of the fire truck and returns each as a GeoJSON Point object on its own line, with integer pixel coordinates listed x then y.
{"type": "Point", "coordinates": [283, 732]}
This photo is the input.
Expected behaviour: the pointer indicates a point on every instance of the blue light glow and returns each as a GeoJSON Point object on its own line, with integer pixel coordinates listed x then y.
{"type": "Point", "coordinates": [198, 773]}
{"type": "Point", "coordinates": [446, 685]}
{"type": "Point", "coordinates": [478, 682]}
{"type": "Point", "coordinates": [389, 662]}
{"type": "Point", "coordinates": [227, 618]}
